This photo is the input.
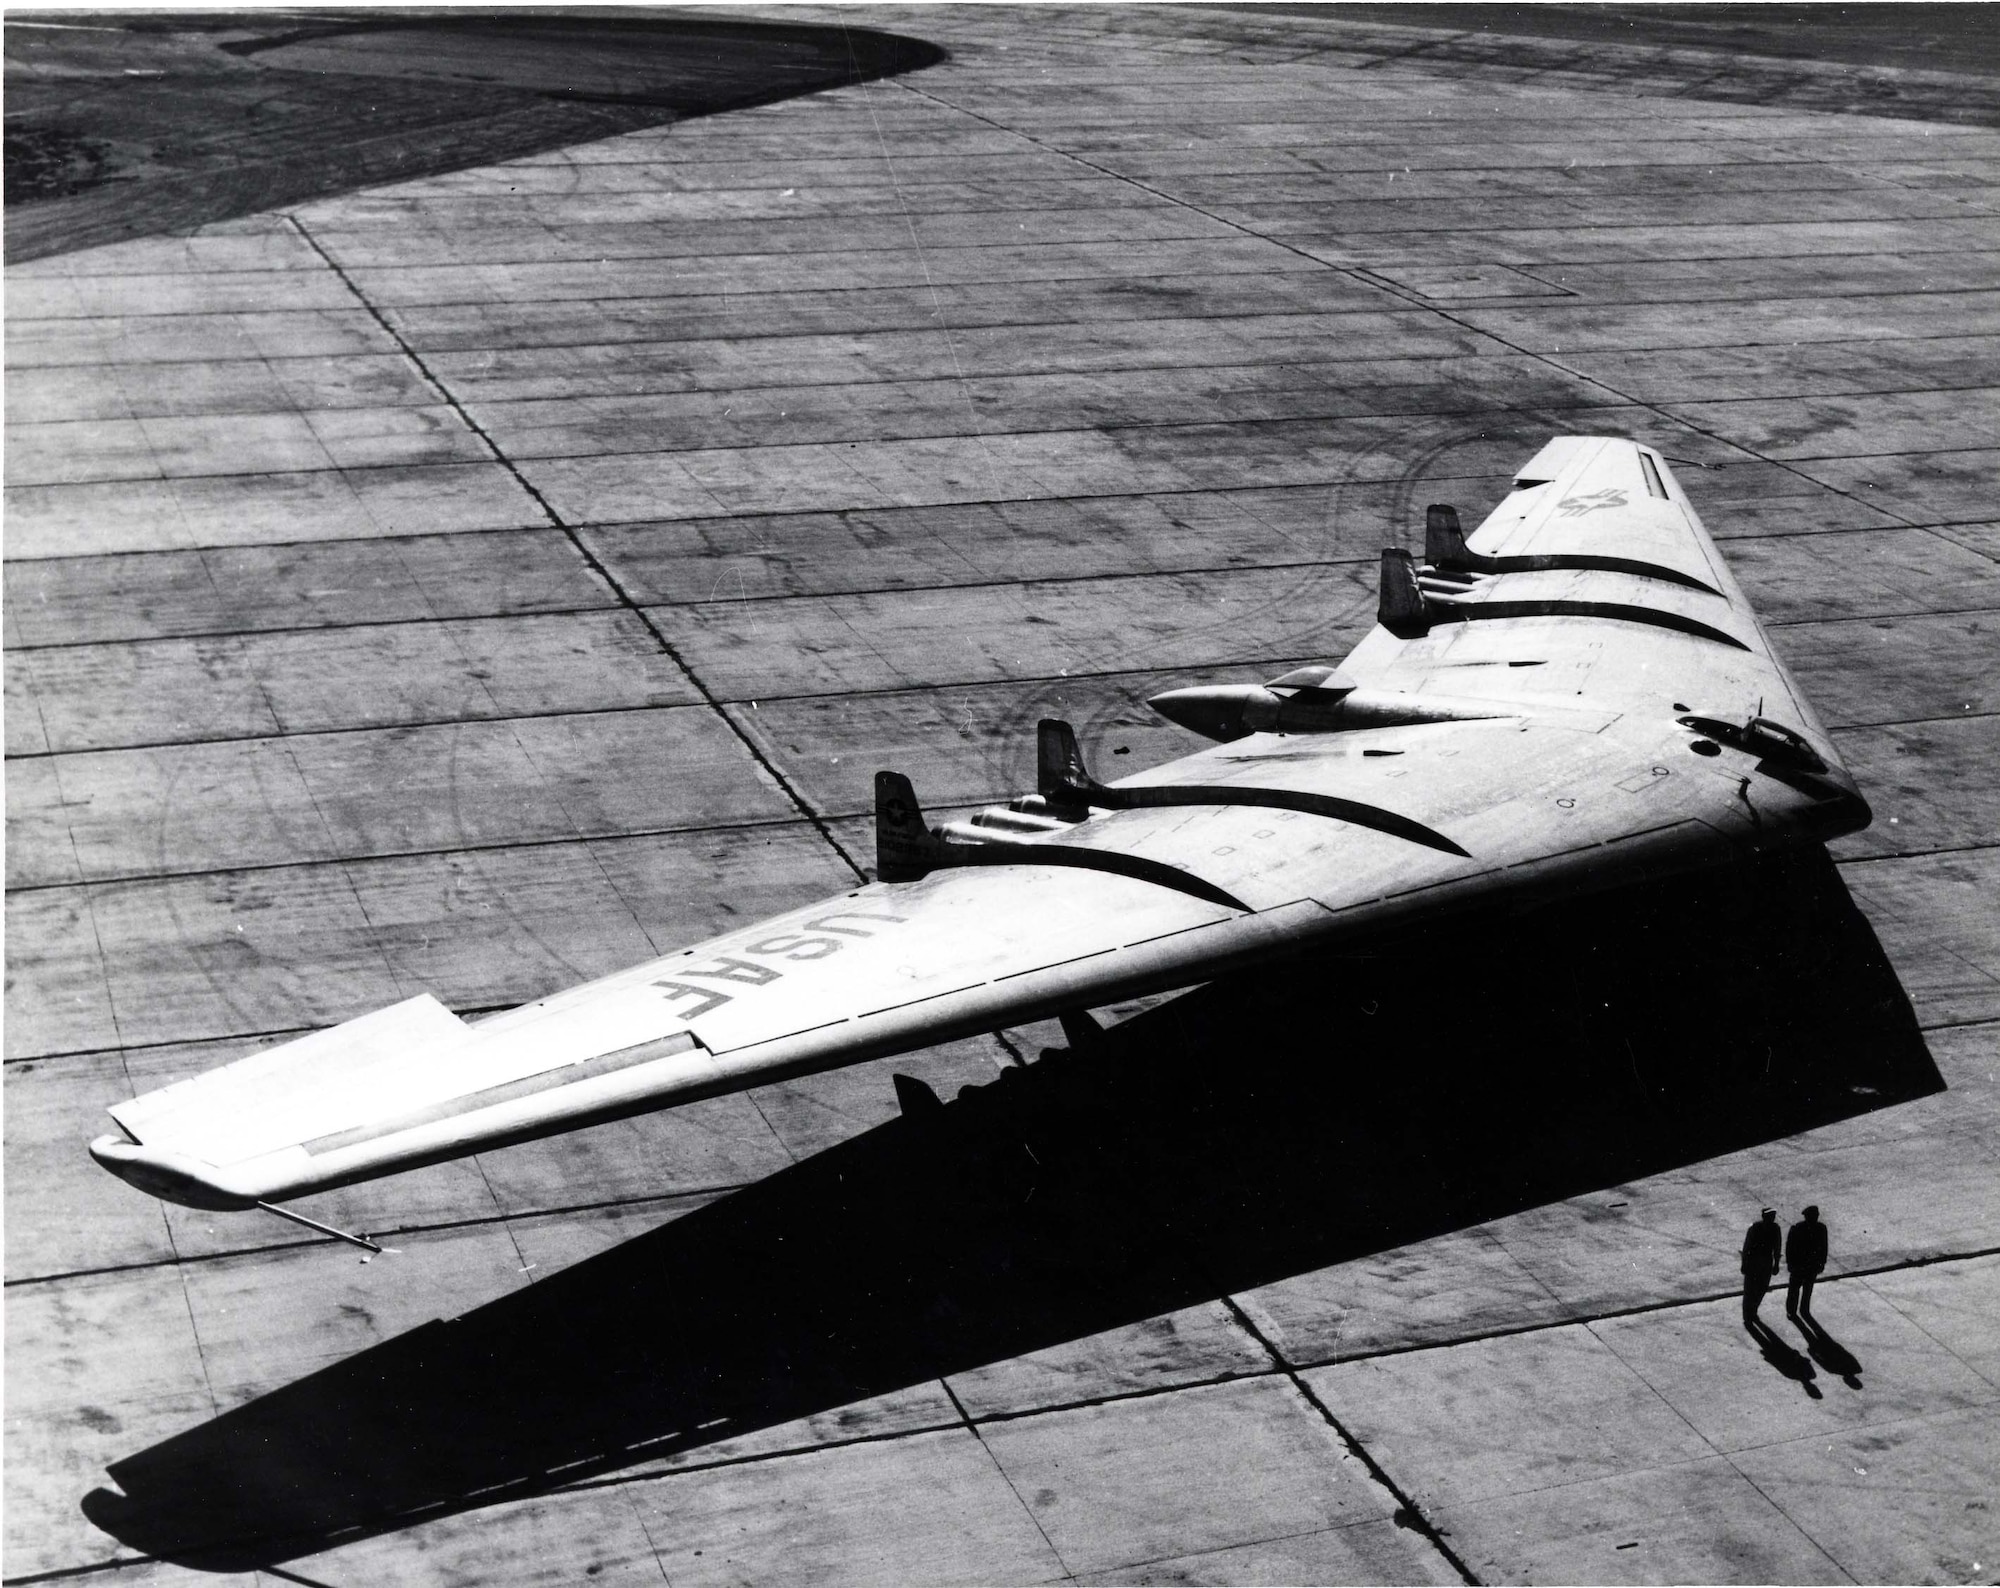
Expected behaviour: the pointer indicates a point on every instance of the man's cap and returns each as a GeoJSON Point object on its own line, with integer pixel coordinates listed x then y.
{"type": "Point", "coordinates": [1812, 1212]}
{"type": "Point", "coordinates": [1770, 1213]}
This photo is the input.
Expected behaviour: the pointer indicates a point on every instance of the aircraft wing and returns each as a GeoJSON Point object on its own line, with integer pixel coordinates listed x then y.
{"type": "Point", "coordinates": [1573, 696]}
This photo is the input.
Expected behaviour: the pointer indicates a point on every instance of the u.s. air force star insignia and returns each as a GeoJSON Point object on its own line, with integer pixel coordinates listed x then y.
{"type": "Point", "coordinates": [1577, 506]}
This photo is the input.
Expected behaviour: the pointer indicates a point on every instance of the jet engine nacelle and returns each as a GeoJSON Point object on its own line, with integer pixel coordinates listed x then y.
{"type": "Point", "coordinates": [1231, 711]}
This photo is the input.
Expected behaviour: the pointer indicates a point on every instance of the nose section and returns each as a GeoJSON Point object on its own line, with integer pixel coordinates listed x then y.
{"type": "Point", "coordinates": [1220, 711]}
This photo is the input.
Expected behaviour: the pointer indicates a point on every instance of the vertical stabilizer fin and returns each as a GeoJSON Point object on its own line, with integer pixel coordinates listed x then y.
{"type": "Point", "coordinates": [1081, 1031]}
{"type": "Point", "coordinates": [1400, 608]}
{"type": "Point", "coordinates": [1444, 540]}
{"type": "Point", "coordinates": [905, 848]}
{"type": "Point", "coordinates": [1059, 770]}
{"type": "Point", "coordinates": [916, 1098]}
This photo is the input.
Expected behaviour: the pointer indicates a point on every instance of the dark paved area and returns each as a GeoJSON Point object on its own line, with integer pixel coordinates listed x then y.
{"type": "Point", "coordinates": [133, 124]}
{"type": "Point", "coordinates": [1961, 39]}
{"type": "Point", "coordinates": [483, 582]}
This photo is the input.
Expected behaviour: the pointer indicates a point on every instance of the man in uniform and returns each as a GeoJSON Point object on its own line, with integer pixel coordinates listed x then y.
{"type": "Point", "coordinates": [1760, 1264]}
{"type": "Point", "coordinates": [1805, 1256]}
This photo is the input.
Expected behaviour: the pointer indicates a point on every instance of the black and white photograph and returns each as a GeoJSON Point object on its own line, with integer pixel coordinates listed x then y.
{"type": "Point", "coordinates": [844, 795]}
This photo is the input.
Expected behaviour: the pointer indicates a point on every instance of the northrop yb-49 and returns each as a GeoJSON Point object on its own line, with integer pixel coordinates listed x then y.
{"type": "Point", "coordinates": [1576, 695]}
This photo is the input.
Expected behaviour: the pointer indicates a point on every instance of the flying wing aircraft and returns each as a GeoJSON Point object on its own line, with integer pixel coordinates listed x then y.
{"type": "Point", "coordinates": [1574, 696]}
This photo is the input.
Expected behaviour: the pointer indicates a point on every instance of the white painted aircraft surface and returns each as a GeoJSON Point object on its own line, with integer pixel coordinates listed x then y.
{"type": "Point", "coordinates": [1573, 697]}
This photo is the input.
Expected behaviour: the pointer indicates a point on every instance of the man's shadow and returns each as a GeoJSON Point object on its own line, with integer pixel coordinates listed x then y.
{"type": "Point", "coordinates": [1267, 1125]}
{"type": "Point", "coordinates": [1782, 1356]}
{"type": "Point", "coordinates": [1828, 1352]}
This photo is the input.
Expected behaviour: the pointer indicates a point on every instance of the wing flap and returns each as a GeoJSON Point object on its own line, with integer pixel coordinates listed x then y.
{"type": "Point", "coordinates": [329, 1080]}
{"type": "Point", "coordinates": [1557, 454]}
{"type": "Point", "coordinates": [412, 1063]}
{"type": "Point", "coordinates": [650, 1073]}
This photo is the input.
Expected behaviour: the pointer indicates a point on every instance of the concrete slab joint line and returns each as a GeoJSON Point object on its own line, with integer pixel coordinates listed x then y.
{"type": "Point", "coordinates": [1406, 1513]}
{"type": "Point", "coordinates": [751, 747]}
{"type": "Point", "coordinates": [1415, 299]}
{"type": "Point", "coordinates": [1126, 178]}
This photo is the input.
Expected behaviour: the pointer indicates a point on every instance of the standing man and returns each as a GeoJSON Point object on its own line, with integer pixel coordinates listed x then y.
{"type": "Point", "coordinates": [1760, 1264]}
{"type": "Point", "coordinates": [1805, 1256]}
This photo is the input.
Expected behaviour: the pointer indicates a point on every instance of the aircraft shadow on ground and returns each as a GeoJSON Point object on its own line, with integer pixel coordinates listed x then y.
{"type": "Point", "coordinates": [1260, 1127]}
{"type": "Point", "coordinates": [168, 123]}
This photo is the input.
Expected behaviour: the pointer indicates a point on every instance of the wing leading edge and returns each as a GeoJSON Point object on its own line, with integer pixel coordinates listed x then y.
{"type": "Point", "coordinates": [1572, 696]}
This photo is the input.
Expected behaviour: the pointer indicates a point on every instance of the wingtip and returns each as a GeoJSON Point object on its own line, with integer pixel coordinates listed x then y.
{"type": "Point", "coordinates": [171, 1176]}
